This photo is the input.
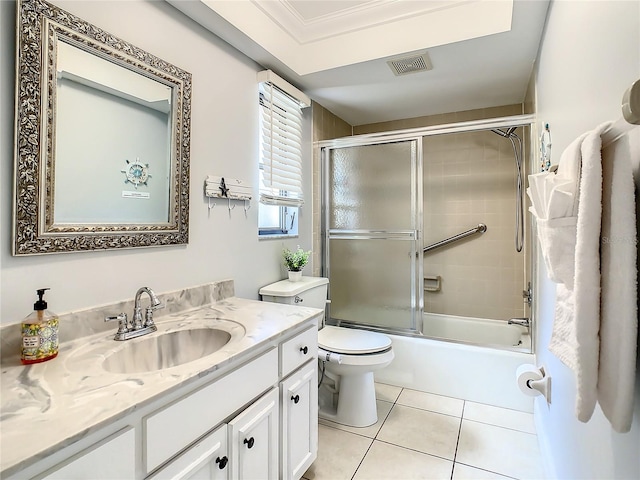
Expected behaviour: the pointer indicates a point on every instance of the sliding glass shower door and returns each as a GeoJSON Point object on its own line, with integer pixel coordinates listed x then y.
{"type": "Point", "coordinates": [371, 233]}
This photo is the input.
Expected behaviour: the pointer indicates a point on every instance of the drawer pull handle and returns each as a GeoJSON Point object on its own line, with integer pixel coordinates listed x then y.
{"type": "Point", "coordinates": [304, 350]}
{"type": "Point", "coordinates": [295, 399]}
{"type": "Point", "coordinates": [222, 462]}
{"type": "Point", "coordinates": [249, 442]}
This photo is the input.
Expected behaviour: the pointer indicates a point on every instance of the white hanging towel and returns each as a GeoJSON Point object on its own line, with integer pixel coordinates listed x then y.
{"type": "Point", "coordinates": [619, 311]}
{"type": "Point", "coordinates": [575, 339]}
{"type": "Point", "coordinates": [555, 204]}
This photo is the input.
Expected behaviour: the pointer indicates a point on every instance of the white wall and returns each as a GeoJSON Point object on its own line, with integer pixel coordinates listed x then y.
{"type": "Point", "coordinates": [223, 142]}
{"type": "Point", "coordinates": [589, 56]}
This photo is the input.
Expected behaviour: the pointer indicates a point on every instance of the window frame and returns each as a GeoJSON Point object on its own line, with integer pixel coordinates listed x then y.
{"type": "Point", "coordinates": [271, 156]}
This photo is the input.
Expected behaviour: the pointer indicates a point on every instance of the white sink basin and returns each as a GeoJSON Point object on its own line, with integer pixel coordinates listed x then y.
{"type": "Point", "coordinates": [189, 338]}
{"type": "Point", "coordinates": [161, 350]}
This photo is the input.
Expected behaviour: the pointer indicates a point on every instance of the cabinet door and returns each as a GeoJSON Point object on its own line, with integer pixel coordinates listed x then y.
{"type": "Point", "coordinates": [254, 440]}
{"type": "Point", "coordinates": [299, 421]}
{"type": "Point", "coordinates": [207, 459]}
{"type": "Point", "coordinates": [114, 457]}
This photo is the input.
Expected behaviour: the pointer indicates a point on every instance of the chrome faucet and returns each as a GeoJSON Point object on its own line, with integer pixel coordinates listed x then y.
{"type": "Point", "coordinates": [522, 321]}
{"type": "Point", "coordinates": [138, 326]}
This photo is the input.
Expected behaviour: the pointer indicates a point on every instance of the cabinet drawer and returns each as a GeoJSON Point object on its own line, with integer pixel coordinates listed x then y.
{"type": "Point", "coordinates": [298, 350]}
{"type": "Point", "coordinates": [114, 457]}
{"type": "Point", "coordinates": [170, 430]}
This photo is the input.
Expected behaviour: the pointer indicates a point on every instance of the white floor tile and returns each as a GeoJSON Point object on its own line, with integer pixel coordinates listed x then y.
{"type": "Point", "coordinates": [465, 472]}
{"type": "Point", "coordinates": [371, 431]}
{"type": "Point", "coordinates": [339, 454]}
{"type": "Point", "coordinates": [421, 430]}
{"type": "Point", "coordinates": [501, 450]}
{"type": "Point", "coordinates": [429, 401]}
{"type": "Point", "coordinates": [384, 461]}
{"type": "Point", "coordinates": [502, 417]}
{"type": "Point", "coordinates": [387, 393]}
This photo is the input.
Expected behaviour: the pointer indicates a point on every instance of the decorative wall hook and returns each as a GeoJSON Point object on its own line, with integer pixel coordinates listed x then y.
{"type": "Point", "coordinates": [247, 205]}
{"type": "Point", "coordinates": [230, 207]}
{"type": "Point", "coordinates": [224, 190]}
{"type": "Point", "coordinates": [211, 204]}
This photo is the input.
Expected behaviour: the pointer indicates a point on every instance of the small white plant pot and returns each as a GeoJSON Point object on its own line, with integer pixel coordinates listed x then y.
{"type": "Point", "coordinates": [295, 276]}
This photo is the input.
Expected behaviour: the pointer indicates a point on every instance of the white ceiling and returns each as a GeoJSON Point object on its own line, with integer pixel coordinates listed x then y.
{"type": "Point", "coordinates": [336, 51]}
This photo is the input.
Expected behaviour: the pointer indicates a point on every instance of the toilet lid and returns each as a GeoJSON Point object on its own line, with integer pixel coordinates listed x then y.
{"type": "Point", "coordinates": [352, 341]}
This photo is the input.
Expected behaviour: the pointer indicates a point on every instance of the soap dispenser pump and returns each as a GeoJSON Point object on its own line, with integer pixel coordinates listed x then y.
{"type": "Point", "coordinates": [39, 333]}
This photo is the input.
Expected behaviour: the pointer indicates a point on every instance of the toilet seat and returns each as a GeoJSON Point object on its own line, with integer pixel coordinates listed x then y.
{"type": "Point", "coordinates": [346, 341]}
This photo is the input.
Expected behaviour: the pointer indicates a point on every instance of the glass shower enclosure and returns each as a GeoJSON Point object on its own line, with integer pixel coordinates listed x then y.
{"type": "Point", "coordinates": [372, 230]}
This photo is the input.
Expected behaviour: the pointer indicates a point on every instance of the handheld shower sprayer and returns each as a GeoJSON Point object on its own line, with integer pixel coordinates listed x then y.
{"type": "Point", "coordinates": [513, 137]}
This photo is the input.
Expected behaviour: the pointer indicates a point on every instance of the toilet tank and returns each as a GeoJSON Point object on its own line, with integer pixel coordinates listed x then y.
{"type": "Point", "coordinates": [308, 292]}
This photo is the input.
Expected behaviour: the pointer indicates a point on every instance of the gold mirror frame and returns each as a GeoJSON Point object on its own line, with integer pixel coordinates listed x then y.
{"type": "Point", "coordinates": [39, 24]}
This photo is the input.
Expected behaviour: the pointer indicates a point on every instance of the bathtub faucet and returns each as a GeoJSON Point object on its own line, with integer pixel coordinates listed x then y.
{"type": "Point", "coordinates": [522, 321]}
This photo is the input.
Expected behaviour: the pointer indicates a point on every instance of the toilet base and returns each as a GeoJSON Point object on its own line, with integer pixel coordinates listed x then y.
{"type": "Point", "coordinates": [356, 402]}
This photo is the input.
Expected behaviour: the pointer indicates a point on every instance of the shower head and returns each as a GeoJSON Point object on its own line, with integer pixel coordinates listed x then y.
{"type": "Point", "coordinates": [506, 134]}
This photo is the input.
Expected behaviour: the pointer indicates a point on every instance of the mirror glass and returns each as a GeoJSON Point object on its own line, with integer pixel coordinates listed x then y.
{"type": "Point", "coordinates": [115, 154]}
{"type": "Point", "coordinates": [102, 153]}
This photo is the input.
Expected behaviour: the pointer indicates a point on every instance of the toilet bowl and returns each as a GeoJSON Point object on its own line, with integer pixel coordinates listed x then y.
{"type": "Point", "coordinates": [348, 357]}
{"type": "Point", "coordinates": [356, 355]}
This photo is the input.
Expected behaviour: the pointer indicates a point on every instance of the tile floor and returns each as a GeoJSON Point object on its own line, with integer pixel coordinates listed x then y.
{"type": "Point", "coordinates": [421, 435]}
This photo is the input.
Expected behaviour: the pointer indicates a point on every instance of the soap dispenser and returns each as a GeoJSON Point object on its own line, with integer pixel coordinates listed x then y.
{"type": "Point", "coordinates": [39, 333]}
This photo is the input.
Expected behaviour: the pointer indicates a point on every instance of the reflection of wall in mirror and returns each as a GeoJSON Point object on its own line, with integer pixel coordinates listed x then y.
{"type": "Point", "coordinates": [95, 134]}
{"type": "Point", "coordinates": [87, 68]}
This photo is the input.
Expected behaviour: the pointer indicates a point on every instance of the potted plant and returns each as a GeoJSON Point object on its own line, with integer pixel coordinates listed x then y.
{"type": "Point", "coordinates": [295, 262]}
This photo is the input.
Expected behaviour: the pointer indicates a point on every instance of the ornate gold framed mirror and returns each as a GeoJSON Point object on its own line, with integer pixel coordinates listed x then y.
{"type": "Point", "coordinates": [102, 139]}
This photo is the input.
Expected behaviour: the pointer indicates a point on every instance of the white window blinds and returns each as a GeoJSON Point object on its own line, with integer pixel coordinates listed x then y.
{"type": "Point", "coordinates": [280, 147]}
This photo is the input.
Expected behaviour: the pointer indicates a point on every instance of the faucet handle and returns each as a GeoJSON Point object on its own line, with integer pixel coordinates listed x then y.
{"type": "Point", "coordinates": [122, 321]}
{"type": "Point", "coordinates": [148, 314]}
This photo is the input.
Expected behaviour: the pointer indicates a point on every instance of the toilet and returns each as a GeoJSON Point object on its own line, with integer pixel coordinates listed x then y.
{"type": "Point", "coordinates": [349, 356]}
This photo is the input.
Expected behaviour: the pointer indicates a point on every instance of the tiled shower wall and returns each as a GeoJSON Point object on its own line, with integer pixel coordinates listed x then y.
{"type": "Point", "coordinates": [469, 179]}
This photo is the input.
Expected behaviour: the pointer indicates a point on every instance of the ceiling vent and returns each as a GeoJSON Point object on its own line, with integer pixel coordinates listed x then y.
{"type": "Point", "coordinates": [411, 64]}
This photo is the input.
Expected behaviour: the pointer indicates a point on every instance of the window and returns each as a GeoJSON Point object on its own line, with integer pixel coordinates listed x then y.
{"type": "Point", "coordinates": [281, 192]}
{"type": "Point", "coordinates": [277, 220]}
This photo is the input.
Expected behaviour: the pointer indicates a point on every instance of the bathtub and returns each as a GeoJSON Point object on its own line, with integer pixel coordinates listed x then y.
{"type": "Point", "coordinates": [457, 368]}
{"type": "Point", "coordinates": [477, 331]}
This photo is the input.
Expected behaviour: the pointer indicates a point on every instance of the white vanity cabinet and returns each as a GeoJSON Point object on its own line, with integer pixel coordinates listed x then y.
{"type": "Point", "coordinates": [257, 419]}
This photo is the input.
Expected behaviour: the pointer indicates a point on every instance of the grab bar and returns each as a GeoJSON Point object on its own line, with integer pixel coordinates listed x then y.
{"type": "Point", "coordinates": [481, 228]}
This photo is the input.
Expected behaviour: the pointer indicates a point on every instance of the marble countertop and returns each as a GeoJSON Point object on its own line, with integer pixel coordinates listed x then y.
{"type": "Point", "coordinates": [47, 406]}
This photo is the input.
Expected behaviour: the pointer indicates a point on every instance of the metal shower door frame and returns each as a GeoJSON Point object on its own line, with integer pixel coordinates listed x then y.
{"type": "Point", "coordinates": [524, 120]}
{"type": "Point", "coordinates": [414, 234]}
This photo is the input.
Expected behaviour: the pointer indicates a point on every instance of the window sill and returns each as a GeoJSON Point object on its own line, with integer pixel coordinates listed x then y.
{"type": "Point", "coordinates": [276, 236]}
